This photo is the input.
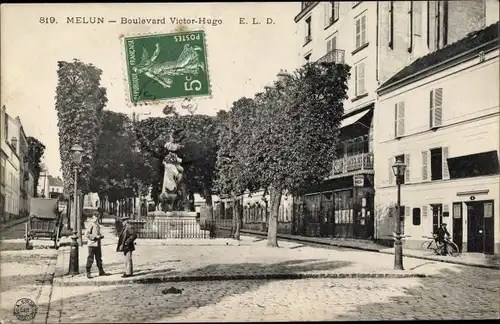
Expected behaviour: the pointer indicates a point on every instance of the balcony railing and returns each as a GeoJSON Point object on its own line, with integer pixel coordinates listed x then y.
{"type": "Point", "coordinates": [363, 161]}
{"type": "Point", "coordinates": [307, 39]}
{"type": "Point", "coordinates": [336, 56]}
{"type": "Point", "coordinates": [306, 4]}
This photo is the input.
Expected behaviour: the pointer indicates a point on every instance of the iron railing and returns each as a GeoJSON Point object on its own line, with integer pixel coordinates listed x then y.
{"type": "Point", "coordinates": [179, 228]}
{"type": "Point", "coordinates": [335, 56]}
{"type": "Point", "coordinates": [363, 161]}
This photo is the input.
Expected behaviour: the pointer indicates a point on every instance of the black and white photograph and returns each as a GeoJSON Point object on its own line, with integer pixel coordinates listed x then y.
{"type": "Point", "coordinates": [194, 162]}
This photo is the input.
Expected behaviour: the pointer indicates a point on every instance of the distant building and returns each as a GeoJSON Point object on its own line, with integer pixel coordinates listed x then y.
{"type": "Point", "coordinates": [55, 187]}
{"type": "Point", "coordinates": [10, 147]}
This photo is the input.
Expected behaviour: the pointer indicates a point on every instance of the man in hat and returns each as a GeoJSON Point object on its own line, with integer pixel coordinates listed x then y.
{"type": "Point", "coordinates": [94, 237]}
{"type": "Point", "coordinates": [441, 233]}
{"type": "Point", "coordinates": [126, 242]}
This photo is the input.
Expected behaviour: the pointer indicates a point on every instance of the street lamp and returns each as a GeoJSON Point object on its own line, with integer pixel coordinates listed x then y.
{"type": "Point", "coordinates": [76, 156]}
{"type": "Point", "coordinates": [399, 170]}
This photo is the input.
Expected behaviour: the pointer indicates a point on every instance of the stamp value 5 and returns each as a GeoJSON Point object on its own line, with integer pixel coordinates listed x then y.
{"type": "Point", "coordinates": [177, 67]}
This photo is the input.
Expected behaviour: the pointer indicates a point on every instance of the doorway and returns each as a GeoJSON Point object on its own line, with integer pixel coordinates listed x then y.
{"type": "Point", "coordinates": [480, 226]}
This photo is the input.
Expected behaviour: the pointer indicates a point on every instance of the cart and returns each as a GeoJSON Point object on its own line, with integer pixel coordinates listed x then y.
{"type": "Point", "coordinates": [44, 221]}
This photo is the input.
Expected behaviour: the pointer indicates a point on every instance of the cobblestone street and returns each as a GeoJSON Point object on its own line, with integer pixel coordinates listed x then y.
{"type": "Point", "coordinates": [453, 291]}
{"type": "Point", "coordinates": [458, 293]}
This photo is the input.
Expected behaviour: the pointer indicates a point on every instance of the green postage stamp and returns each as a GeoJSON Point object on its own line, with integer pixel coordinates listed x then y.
{"type": "Point", "coordinates": [177, 67]}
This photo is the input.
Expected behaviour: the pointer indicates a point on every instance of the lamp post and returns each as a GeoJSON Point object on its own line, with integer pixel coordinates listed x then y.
{"type": "Point", "coordinates": [399, 170]}
{"type": "Point", "coordinates": [77, 154]}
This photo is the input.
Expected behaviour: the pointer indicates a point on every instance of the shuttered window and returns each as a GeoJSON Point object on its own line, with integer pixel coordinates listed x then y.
{"type": "Point", "coordinates": [407, 171]}
{"type": "Point", "coordinates": [360, 31]}
{"type": "Point", "coordinates": [399, 119]}
{"type": "Point", "coordinates": [446, 171]}
{"type": "Point", "coordinates": [436, 107]}
{"type": "Point", "coordinates": [425, 165]}
{"type": "Point", "coordinates": [359, 84]}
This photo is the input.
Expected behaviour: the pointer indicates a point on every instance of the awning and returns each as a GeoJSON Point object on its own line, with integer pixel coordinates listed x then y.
{"type": "Point", "coordinates": [352, 119]}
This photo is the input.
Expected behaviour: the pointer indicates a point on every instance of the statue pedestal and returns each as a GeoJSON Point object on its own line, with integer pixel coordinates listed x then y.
{"type": "Point", "coordinates": [172, 215]}
{"type": "Point", "coordinates": [173, 224]}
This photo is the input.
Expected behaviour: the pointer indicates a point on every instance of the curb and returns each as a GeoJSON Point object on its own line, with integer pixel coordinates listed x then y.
{"type": "Point", "coordinates": [274, 276]}
{"type": "Point", "coordinates": [458, 262]}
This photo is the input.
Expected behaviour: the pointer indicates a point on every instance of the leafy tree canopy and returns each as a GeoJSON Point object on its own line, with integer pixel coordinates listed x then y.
{"type": "Point", "coordinates": [79, 103]}
{"type": "Point", "coordinates": [36, 149]}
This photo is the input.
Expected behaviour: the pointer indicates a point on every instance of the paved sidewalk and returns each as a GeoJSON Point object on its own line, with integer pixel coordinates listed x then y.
{"type": "Point", "coordinates": [477, 260]}
{"type": "Point", "coordinates": [12, 222]}
{"type": "Point", "coordinates": [224, 259]}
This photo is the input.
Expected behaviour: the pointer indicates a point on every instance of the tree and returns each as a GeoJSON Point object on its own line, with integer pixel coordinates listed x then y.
{"type": "Point", "coordinates": [79, 103]}
{"type": "Point", "coordinates": [234, 154]}
{"type": "Point", "coordinates": [120, 168]}
{"type": "Point", "coordinates": [198, 136]}
{"type": "Point", "coordinates": [296, 132]}
{"type": "Point", "coordinates": [36, 149]}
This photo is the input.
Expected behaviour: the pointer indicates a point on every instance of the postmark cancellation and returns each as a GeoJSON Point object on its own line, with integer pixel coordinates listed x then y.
{"type": "Point", "coordinates": [162, 67]}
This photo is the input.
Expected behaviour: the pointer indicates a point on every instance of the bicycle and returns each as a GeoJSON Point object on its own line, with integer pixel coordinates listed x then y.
{"type": "Point", "coordinates": [451, 248]}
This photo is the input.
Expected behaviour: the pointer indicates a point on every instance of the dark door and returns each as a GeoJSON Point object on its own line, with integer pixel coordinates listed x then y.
{"type": "Point", "coordinates": [480, 226]}
{"type": "Point", "coordinates": [457, 225]}
{"type": "Point", "coordinates": [488, 227]}
{"type": "Point", "coordinates": [474, 227]}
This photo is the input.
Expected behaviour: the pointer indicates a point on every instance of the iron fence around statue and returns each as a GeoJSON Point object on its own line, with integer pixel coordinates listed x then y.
{"type": "Point", "coordinates": [179, 228]}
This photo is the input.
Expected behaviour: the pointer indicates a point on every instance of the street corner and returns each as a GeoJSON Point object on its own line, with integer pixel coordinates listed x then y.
{"type": "Point", "coordinates": [177, 67]}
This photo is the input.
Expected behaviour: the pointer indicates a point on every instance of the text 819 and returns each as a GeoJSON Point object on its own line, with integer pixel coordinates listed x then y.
{"type": "Point", "coordinates": [47, 20]}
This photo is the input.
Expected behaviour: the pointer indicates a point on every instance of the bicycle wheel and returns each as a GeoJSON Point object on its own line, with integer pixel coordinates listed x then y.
{"type": "Point", "coordinates": [452, 249]}
{"type": "Point", "coordinates": [426, 245]}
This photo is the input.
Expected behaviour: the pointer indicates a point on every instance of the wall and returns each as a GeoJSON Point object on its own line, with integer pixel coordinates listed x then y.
{"type": "Point", "coordinates": [344, 30]}
{"type": "Point", "coordinates": [470, 125]}
{"type": "Point", "coordinates": [463, 18]}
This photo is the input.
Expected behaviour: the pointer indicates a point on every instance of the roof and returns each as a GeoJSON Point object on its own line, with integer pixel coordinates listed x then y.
{"type": "Point", "coordinates": [473, 40]}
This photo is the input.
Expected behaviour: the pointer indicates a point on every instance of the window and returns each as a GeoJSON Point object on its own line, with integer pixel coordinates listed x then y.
{"type": "Point", "coordinates": [355, 3]}
{"type": "Point", "coordinates": [441, 23]}
{"type": "Point", "coordinates": [360, 31]}
{"type": "Point", "coordinates": [410, 26]}
{"type": "Point", "coordinates": [359, 86]}
{"type": "Point", "coordinates": [399, 119]}
{"type": "Point", "coordinates": [331, 12]}
{"type": "Point", "coordinates": [391, 24]}
{"type": "Point", "coordinates": [436, 164]}
{"type": "Point", "coordinates": [436, 107]}
{"type": "Point", "coordinates": [416, 217]}
{"type": "Point", "coordinates": [437, 216]}
{"type": "Point", "coordinates": [307, 57]}
{"type": "Point", "coordinates": [331, 44]}
{"type": "Point", "coordinates": [308, 37]}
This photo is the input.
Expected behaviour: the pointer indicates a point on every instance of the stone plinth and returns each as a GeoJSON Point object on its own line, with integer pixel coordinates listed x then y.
{"type": "Point", "coordinates": [161, 215]}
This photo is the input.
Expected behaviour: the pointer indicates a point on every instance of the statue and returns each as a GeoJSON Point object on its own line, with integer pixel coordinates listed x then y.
{"type": "Point", "coordinates": [172, 195]}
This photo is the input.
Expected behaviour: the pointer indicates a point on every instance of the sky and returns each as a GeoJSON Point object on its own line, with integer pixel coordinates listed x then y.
{"type": "Point", "coordinates": [242, 58]}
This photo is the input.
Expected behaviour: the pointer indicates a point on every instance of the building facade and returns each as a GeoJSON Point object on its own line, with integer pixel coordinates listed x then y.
{"type": "Point", "coordinates": [442, 119]}
{"type": "Point", "coordinates": [3, 165]}
{"type": "Point", "coordinates": [343, 32]}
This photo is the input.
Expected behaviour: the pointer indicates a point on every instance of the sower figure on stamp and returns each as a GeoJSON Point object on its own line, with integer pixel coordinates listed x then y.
{"type": "Point", "coordinates": [94, 237]}
{"type": "Point", "coordinates": [126, 243]}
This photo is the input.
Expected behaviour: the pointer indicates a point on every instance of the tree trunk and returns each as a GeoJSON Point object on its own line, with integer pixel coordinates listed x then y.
{"type": "Point", "coordinates": [236, 219]}
{"type": "Point", "coordinates": [272, 231]}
